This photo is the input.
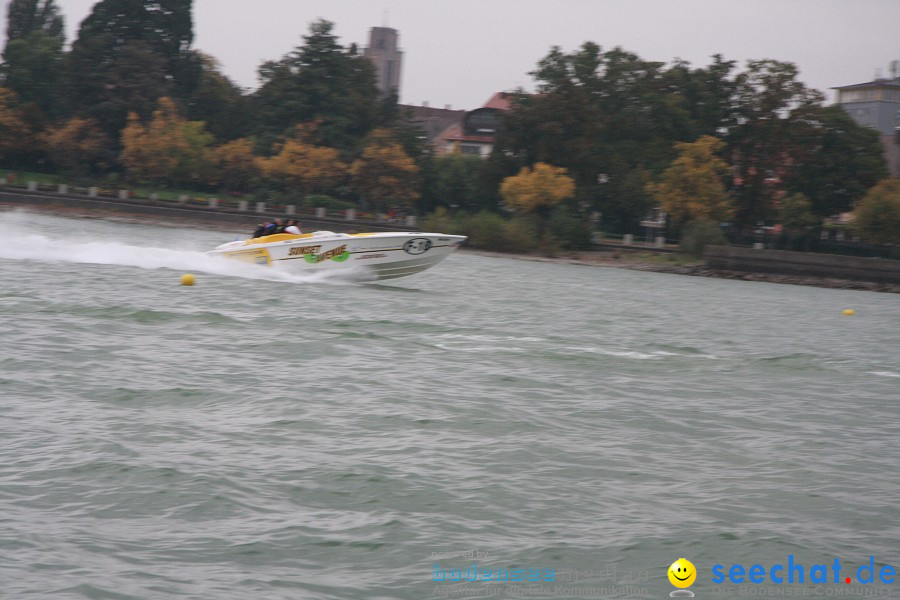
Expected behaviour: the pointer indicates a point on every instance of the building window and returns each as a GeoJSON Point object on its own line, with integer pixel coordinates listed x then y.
{"type": "Point", "coordinates": [858, 96]}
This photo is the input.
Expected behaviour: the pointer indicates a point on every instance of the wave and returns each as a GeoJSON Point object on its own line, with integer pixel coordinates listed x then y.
{"type": "Point", "coordinates": [17, 243]}
{"type": "Point", "coordinates": [883, 373]}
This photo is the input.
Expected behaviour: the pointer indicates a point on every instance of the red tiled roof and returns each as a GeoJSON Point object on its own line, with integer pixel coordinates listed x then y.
{"type": "Point", "coordinates": [500, 101]}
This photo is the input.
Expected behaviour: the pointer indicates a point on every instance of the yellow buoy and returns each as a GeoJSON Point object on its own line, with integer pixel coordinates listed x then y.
{"type": "Point", "coordinates": [187, 279]}
{"type": "Point", "coordinates": [849, 312]}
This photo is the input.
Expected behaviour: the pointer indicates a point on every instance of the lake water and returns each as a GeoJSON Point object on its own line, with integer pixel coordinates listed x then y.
{"type": "Point", "coordinates": [265, 435]}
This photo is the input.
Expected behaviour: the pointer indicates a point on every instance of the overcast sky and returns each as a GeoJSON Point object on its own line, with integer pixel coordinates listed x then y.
{"type": "Point", "coordinates": [459, 52]}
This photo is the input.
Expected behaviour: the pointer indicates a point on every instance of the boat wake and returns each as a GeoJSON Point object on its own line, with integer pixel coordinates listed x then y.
{"type": "Point", "coordinates": [18, 243]}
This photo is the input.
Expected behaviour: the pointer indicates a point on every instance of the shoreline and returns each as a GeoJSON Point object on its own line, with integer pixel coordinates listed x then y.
{"type": "Point", "coordinates": [609, 259]}
{"type": "Point", "coordinates": [592, 258]}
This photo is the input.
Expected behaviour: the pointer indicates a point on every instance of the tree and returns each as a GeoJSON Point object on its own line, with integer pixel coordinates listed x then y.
{"type": "Point", "coordinates": [128, 54]}
{"type": "Point", "coordinates": [308, 168]}
{"type": "Point", "coordinates": [15, 135]}
{"type": "Point", "coordinates": [612, 117]}
{"type": "Point", "coordinates": [836, 162]}
{"type": "Point", "coordinates": [693, 188]}
{"type": "Point", "coordinates": [168, 150]}
{"type": "Point", "coordinates": [193, 165]}
{"type": "Point", "coordinates": [796, 212]}
{"type": "Point", "coordinates": [25, 17]}
{"type": "Point", "coordinates": [32, 67]}
{"type": "Point", "coordinates": [628, 201]}
{"type": "Point", "coordinates": [770, 104]}
{"type": "Point", "coordinates": [564, 123]}
{"type": "Point", "coordinates": [798, 221]}
{"type": "Point", "coordinates": [457, 181]}
{"type": "Point", "coordinates": [538, 189]}
{"type": "Point", "coordinates": [218, 102]}
{"type": "Point", "coordinates": [384, 175]}
{"type": "Point", "coordinates": [76, 146]}
{"type": "Point", "coordinates": [33, 56]}
{"type": "Point", "coordinates": [233, 165]}
{"type": "Point", "coordinates": [877, 218]}
{"type": "Point", "coordinates": [323, 82]}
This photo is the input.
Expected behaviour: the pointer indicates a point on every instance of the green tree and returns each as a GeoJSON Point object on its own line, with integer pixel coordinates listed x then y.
{"type": "Point", "coordinates": [128, 54]}
{"type": "Point", "coordinates": [25, 17]}
{"type": "Point", "coordinates": [33, 56]}
{"type": "Point", "coordinates": [132, 82]}
{"type": "Point", "coordinates": [628, 201]}
{"type": "Point", "coordinates": [32, 67]}
{"type": "Point", "coordinates": [563, 123]}
{"type": "Point", "coordinates": [218, 102]}
{"type": "Point", "coordinates": [836, 162]}
{"type": "Point", "coordinates": [796, 212]}
{"type": "Point", "coordinates": [692, 188]}
{"type": "Point", "coordinates": [705, 94]}
{"type": "Point", "coordinates": [770, 105]}
{"type": "Point", "coordinates": [877, 218]}
{"type": "Point", "coordinates": [458, 181]}
{"type": "Point", "coordinates": [319, 82]}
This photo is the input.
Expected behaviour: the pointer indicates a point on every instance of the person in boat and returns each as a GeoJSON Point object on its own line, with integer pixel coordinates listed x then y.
{"type": "Point", "coordinates": [293, 226]}
{"type": "Point", "coordinates": [261, 229]}
{"type": "Point", "coordinates": [276, 226]}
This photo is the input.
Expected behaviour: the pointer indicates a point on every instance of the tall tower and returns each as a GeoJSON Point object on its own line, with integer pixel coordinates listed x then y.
{"type": "Point", "coordinates": [386, 57]}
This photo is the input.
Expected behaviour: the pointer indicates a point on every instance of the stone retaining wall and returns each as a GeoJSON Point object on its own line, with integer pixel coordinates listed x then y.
{"type": "Point", "coordinates": [802, 263]}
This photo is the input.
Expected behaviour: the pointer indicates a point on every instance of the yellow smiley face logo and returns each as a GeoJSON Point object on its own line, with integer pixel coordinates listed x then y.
{"type": "Point", "coordinates": [682, 573]}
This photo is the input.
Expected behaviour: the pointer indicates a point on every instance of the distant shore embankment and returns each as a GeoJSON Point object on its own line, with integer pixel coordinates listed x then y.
{"type": "Point", "coordinates": [193, 212]}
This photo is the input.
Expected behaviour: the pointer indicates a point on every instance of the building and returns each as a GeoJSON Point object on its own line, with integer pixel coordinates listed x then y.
{"type": "Point", "coordinates": [876, 104]}
{"type": "Point", "coordinates": [387, 58]}
{"type": "Point", "coordinates": [477, 132]}
{"type": "Point", "coordinates": [433, 122]}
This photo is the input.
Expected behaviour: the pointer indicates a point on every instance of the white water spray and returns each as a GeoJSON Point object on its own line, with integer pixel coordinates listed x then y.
{"type": "Point", "coordinates": [20, 241]}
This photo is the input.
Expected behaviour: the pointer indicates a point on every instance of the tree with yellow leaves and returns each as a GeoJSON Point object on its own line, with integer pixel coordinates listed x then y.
{"type": "Point", "coordinates": [15, 135]}
{"type": "Point", "coordinates": [538, 189]}
{"type": "Point", "coordinates": [233, 165]}
{"type": "Point", "coordinates": [76, 146]}
{"type": "Point", "coordinates": [877, 216]}
{"type": "Point", "coordinates": [384, 175]}
{"type": "Point", "coordinates": [693, 187]}
{"type": "Point", "coordinates": [169, 149]}
{"type": "Point", "coordinates": [305, 167]}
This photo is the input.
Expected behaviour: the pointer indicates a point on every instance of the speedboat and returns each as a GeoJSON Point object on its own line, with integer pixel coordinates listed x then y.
{"type": "Point", "coordinates": [382, 255]}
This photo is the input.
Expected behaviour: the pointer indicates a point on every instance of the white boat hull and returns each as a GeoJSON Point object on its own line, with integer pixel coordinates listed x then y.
{"type": "Point", "coordinates": [374, 255]}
